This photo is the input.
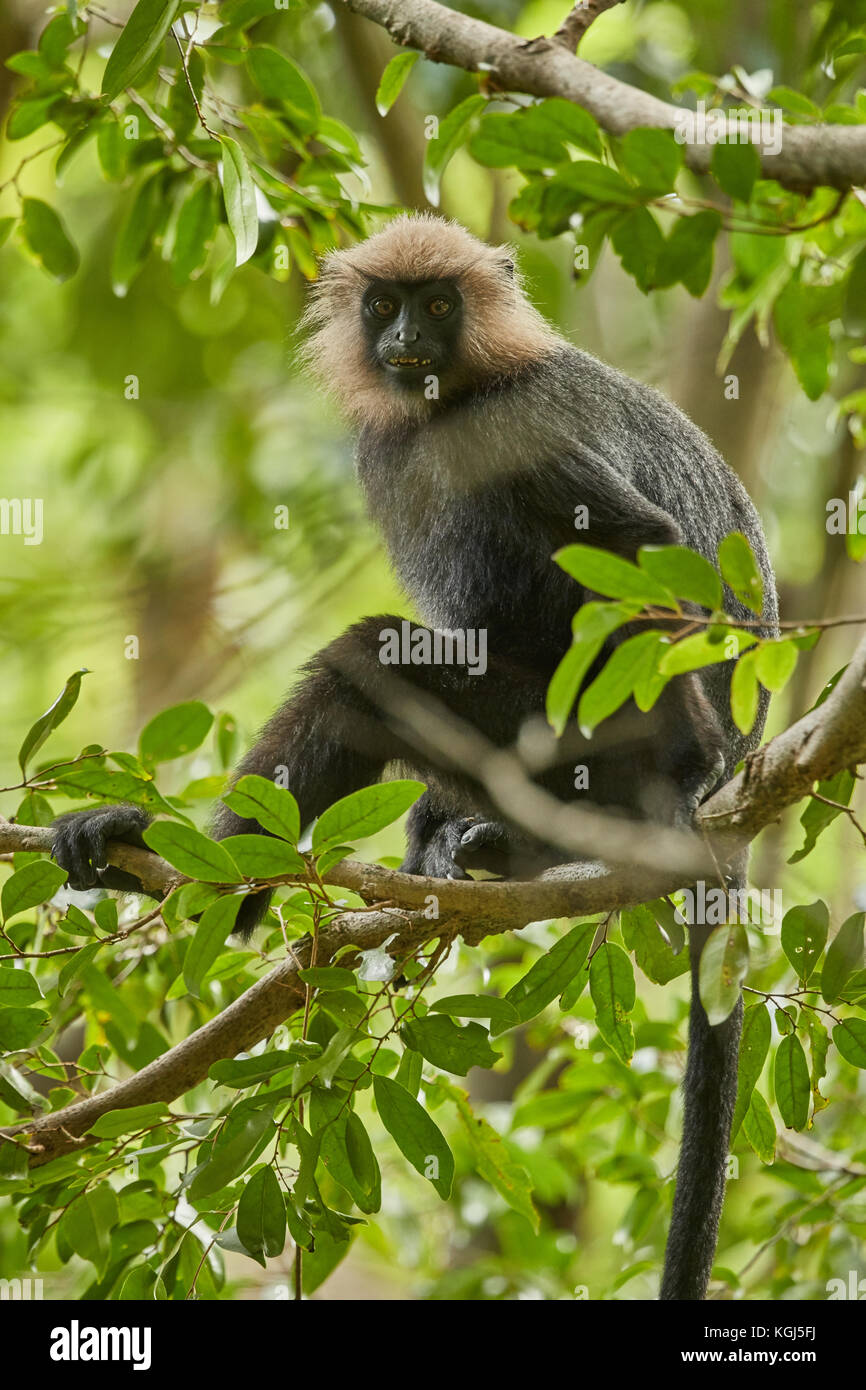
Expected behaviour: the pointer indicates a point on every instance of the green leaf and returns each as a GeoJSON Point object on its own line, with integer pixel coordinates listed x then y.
{"type": "Point", "coordinates": [493, 1161]}
{"type": "Point", "coordinates": [572, 124]}
{"type": "Point", "coordinates": [775, 663]}
{"type": "Point", "coordinates": [652, 158]}
{"type": "Point", "coordinates": [549, 975]}
{"type": "Point", "coordinates": [817, 815]}
{"type": "Point", "coordinates": [238, 1145]}
{"type": "Point", "coordinates": [735, 169]}
{"type": "Point", "coordinates": [630, 666]}
{"type": "Point", "coordinates": [655, 956]}
{"type": "Point", "coordinates": [345, 1148]}
{"type": "Point", "coordinates": [328, 977]}
{"type": "Point", "coordinates": [740, 570]}
{"type": "Point", "coordinates": [804, 936]}
{"type": "Point", "coordinates": [249, 1071]}
{"type": "Point", "coordinates": [638, 241]}
{"type": "Point", "coordinates": [724, 962]}
{"type": "Point", "coordinates": [27, 116]}
{"type": "Point", "coordinates": [116, 1122]}
{"type": "Point", "coordinates": [279, 79]}
{"type": "Point", "coordinates": [454, 131]}
{"type": "Point", "coordinates": [683, 572]}
{"type": "Point", "coordinates": [545, 129]}
{"type": "Point", "coordinates": [687, 255]}
{"type": "Point", "coordinates": [448, 1045]}
{"type": "Point", "coordinates": [850, 1038]}
{"type": "Point", "coordinates": [605, 573]}
{"type": "Point", "coordinates": [105, 913]}
{"type": "Point", "coordinates": [111, 148]}
{"type": "Point", "coordinates": [325, 1067]}
{"type": "Point", "coordinates": [136, 232]}
{"type": "Point", "coordinates": [409, 1071]}
{"type": "Point", "coordinates": [844, 955]}
{"type": "Point", "coordinates": [759, 1128]}
{"type": "Point", "coordinates": [20, 1027]}
{"type": "Point", "coordinates": [744, 692]}
{"type": "Point", "coordinates": [592, 185]}
{"type": "Point", "coordinates": [194, 231]}
{"type": "Point", "coordinates": [191, 852]}
{"type": "Point", "coordinates": [534, 138]}
{"type": "Point", "coordinates": [75, 965]}
{"type": "Point", "coordinates": [417, 1137]}
{"type": "Point", "coordinates": [174, 732]}
{"type": "Point", "coordinates": [363, 812]}
{"type": "Point", "coordinates": [140, 41]}
{"type": "Point", "coordinates": [611, 984]}
{"type": "Point", "coordinates": [803, 314]}
{"type": "Point", "coordinates": [275, 809]}
{"type": "Point", "coordinates": [261, 856]}
{"type": "Point", "coordinates": [29, 886]}
{"type": "Point", "coordinates": [17, 987]}
{"type": "Point", "coordinates": [87, 1223]}
{"type": "Point", "coordinates": [499, 1011]}
{"type": "Point", "coordinates": [793, 101]}
{"type": "Point", "coordinates": [239, 195]}
{"type": "Point", "coordinates": [592, 625]}
{"type": "Point", "coordinates": [362, 1158]}
{"type": "Point", "coordinates": [47, 238]}
{"type": "Point", "coordinates": [215, 925]}
{"type": "Point", "coordinates": [393, 80]}
{"type": "Point", "coordinates": [791, 1076]}
{"type": "Point", "coordinates": [854, 313]}
{"type": "Point", "coordinates": [261, 1220]}
{"type": "Point", "coordinates": [754, 1046]}
{"type": "Point", "coordinates": [692, 653]}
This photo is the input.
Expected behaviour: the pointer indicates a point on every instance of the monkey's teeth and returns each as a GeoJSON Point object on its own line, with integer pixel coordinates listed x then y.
{"type": "Point", "coordinates": [409, 361]}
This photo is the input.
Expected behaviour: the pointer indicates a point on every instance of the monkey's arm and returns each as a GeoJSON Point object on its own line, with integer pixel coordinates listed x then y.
{"type": "Point", "coordinates": [618, 518]}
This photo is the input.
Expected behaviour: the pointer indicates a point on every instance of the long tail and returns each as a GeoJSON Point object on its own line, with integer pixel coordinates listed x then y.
{"type": "Point", "coordinates": [710, 1092]}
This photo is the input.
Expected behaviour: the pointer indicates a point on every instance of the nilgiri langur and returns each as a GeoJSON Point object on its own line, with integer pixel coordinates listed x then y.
{"type": "Point", "coordinates": [481, 435]}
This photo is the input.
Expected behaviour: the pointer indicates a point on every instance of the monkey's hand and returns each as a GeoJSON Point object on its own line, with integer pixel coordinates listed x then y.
{"type": "Point", "coordinates": [80, 845]}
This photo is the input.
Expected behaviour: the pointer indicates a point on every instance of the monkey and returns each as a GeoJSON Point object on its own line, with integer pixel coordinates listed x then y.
{"type": "Point", "coordinates": [481, 433]}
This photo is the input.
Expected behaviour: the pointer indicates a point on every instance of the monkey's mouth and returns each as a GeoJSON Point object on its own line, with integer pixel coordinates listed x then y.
{"type": "Point", "coordinates": [410, 361]}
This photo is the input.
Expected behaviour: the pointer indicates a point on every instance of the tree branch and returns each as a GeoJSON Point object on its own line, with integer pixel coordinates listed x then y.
{"type": "Point", "coordinates": [824, 741]}
{"type": "Point", "coordinates": [810, 156]}
{"type": "Point", "coordinates": [575, 24]}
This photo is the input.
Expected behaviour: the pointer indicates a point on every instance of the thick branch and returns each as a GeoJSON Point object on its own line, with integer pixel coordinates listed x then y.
{"type": "Point", "coordinates": [823, 742]}
{"type": "Point", "coordinates": [810, 156]}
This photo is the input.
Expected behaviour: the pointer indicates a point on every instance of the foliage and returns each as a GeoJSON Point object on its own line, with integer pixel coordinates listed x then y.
{"type": "Point", "coordinates": [219, 150]}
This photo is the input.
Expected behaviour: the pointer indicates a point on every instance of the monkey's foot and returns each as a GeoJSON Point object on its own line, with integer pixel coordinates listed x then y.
{"type": "Point", "coordinates": [486, 846]}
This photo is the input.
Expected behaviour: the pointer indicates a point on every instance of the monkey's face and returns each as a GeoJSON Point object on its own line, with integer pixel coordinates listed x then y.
{"type": "Point", "coordinates": [412, 330]}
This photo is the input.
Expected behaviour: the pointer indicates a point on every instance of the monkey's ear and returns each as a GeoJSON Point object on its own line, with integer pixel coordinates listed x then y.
{"type": "Point", "coordinates": [507, 265]}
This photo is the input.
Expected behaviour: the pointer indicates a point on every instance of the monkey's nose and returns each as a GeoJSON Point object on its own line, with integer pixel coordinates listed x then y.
{"type": "Point", "coordinates": [409, 334]}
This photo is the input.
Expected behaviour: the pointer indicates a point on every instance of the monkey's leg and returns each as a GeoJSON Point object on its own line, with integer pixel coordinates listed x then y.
{"type": "Point", "coordinates": [710, 1089]}
{"type": "Point", "coordinates": [352, 715]}
{"type": "Point", "coordinates": [433, 835]}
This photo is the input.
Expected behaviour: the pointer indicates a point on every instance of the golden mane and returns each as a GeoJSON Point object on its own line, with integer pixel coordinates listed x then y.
{"type": "Point", "coordinates": [501, 329]}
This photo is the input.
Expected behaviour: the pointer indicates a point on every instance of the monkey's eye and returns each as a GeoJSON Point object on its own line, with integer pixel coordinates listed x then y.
{"type": "Point", "coordinates": [383, 307]}
{"type": "Point", "coordinates": [439, 307]}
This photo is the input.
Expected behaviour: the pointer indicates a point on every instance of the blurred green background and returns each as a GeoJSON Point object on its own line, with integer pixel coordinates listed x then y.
{"type": "Point", "coordinates": [159, 523]}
